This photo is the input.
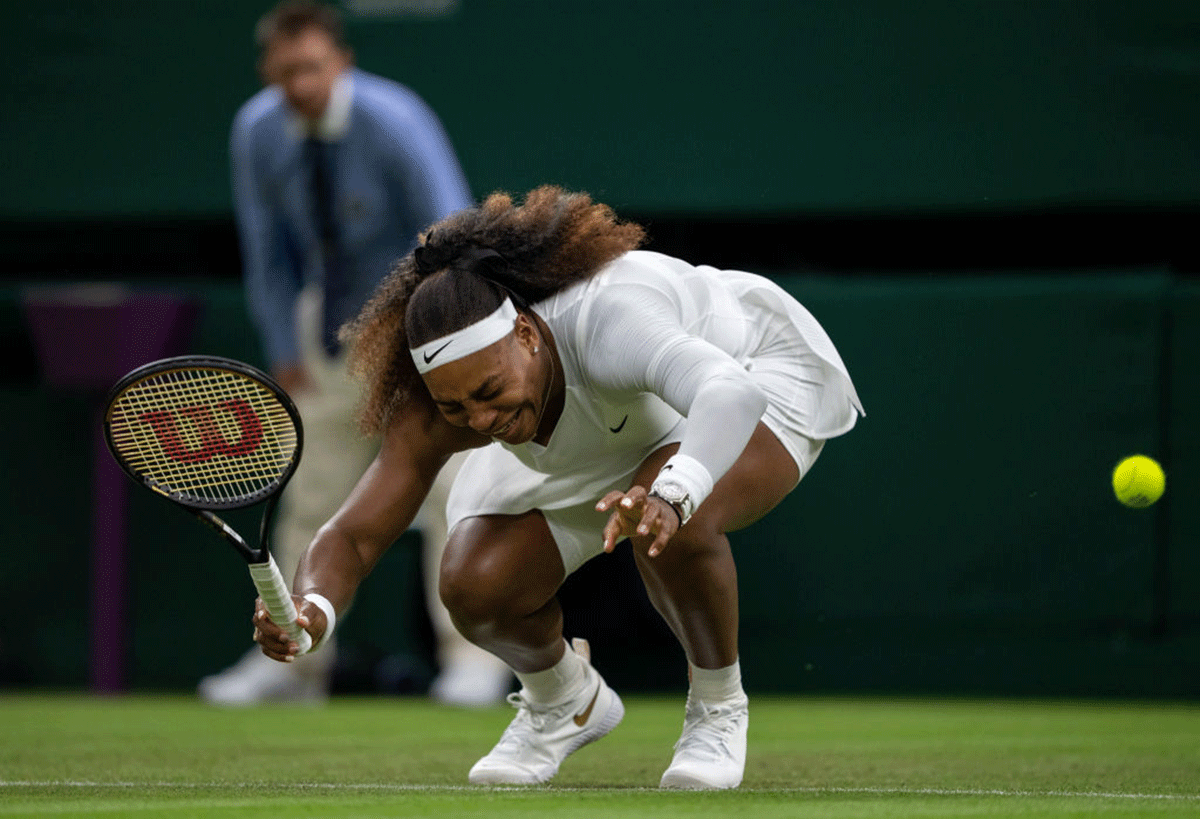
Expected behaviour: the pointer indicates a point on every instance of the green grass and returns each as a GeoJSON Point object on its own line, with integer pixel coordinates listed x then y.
{"type": "Point", "coordinates": [809, 757]}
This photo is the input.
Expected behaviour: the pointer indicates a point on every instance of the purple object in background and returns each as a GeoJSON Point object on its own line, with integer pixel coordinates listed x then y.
{"type": "Point", "coordinates": [87, 337]}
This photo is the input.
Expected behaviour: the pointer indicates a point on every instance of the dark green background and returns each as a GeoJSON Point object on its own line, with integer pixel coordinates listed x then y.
{"type": "Point", "coordinates": [962, 539]}
{"type": "Point", "coordinates": [123, 106]}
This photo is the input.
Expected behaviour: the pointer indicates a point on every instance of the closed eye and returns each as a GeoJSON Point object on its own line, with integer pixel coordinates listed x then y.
{"type": "Point", "coordinates": [489, 390]}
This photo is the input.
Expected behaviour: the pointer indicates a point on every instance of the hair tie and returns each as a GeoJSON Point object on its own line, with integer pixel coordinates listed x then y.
{"type": "Point", "coordinates": [430, 258]}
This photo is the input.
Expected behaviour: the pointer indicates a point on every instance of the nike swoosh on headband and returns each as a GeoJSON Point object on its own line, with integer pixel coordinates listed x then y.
{"type": "Point", "coordinates": [429, 356]}
{"type": "Point", "coordinates": [467, 340]}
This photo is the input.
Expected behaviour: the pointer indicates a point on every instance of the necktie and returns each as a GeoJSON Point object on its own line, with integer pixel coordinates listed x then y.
{"type": "Point", "coordinates": [328, 232]}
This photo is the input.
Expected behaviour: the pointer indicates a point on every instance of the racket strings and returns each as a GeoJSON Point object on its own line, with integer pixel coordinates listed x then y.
{"type": "Point", "coordinates": [204, 434]}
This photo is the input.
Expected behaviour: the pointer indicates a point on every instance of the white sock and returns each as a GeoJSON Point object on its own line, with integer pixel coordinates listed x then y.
{"type": "Point", "coordinates": [556, 684]}
{"type": "Point", "coordinates": [713, 685]}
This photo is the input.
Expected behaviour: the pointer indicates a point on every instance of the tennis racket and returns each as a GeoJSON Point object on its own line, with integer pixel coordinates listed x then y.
{"type": "Point", "coordinates": [210, 434]}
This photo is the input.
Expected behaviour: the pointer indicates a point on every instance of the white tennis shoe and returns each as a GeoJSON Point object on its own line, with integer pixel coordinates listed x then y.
{"type": "Point", "coordinates": [540, 737]}
{"type": "Point", "coordinates": [711, 753]}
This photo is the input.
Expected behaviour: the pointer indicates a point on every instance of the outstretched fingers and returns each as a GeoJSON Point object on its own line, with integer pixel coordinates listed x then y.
{"type": "Point", "coordinates": [626, 512]}
{"type": "Point", "coordinates": [634, 513]}
{"type": "Point", "coordinates": [661, 519]}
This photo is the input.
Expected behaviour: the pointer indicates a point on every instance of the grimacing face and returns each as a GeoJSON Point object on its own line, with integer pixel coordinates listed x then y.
{"type": "Point", "coordinates": [306, 67]}
{"type": "Point", "coordinates": [499, 391]}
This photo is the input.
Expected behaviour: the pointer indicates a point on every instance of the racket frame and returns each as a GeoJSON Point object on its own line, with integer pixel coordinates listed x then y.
{"type": "Point", "coordinates": [263, 569]}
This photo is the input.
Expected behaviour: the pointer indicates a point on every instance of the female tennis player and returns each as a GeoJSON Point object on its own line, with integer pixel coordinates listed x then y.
{"type": "Point", "coordinates": [607, 393]}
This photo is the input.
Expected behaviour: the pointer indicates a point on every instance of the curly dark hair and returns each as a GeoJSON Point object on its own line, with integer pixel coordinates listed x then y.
{"type": "Point", "coordinates": [461, 272]}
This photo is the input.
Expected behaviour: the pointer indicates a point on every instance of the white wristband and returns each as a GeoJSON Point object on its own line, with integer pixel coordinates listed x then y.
{"type": "Point", "coordinates": [688, 473]}
{"type": "Point", "coordinates": [322, 602]}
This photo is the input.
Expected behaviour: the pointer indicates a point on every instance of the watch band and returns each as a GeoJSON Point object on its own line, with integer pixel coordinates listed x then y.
{"type": "Point", "coordinates": [674, 508]}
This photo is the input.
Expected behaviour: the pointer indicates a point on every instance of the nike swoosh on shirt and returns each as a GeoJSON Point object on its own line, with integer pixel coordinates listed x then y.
{"type": "Point", "coordinates": [582, 717]}
{"type": "Point", "coordinates": [619, 426]}
{"type": "Point", "coordinates": [429, 356]}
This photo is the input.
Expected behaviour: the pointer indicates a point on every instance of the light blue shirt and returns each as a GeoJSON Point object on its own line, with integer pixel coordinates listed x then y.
{"type": "Point", "coordinates": [395, 174]}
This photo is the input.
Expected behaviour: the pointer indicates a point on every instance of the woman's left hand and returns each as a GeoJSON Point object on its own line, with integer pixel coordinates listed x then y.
{"type": "Point", "coordinates": [637, 514]}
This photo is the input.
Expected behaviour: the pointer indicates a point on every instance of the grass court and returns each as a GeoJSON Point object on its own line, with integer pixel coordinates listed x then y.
{"type": "Point", "coordinates": [171, 756]}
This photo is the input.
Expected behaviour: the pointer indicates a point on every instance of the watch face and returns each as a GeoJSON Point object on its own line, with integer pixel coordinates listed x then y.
{"type": "Point", "coordinates": [676, 495]}
{"type": "Point", "coordinates": [672, 492]}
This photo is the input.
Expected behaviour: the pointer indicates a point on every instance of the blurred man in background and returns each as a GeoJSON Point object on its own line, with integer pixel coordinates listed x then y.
{"type": "Point", "coordinates": [335, 172]}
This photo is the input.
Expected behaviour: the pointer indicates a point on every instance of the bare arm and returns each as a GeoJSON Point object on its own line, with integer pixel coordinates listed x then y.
{"type": "Point", "coordinates": [380, 508]}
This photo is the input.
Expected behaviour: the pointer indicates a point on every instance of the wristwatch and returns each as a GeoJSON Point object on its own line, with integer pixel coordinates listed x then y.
{"type": "Point", "coordinates": [676, 495]}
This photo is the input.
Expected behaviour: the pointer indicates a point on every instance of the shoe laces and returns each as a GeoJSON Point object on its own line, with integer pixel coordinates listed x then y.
{"type": "Point", "coordinates": [707, 729]}
{"type": "Point", "coordinates": [531, 718]}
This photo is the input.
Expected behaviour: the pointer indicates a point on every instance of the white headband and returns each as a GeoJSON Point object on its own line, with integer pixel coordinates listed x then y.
{"type": "Point", "coordinates": [470, 339]}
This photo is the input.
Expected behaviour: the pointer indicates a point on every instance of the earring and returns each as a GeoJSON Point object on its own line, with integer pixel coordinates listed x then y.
{"type": "Point", "coordinates": [535, 349]}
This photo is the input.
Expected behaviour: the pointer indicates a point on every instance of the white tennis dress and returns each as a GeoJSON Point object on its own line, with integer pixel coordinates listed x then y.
{"type": "Point", "coordinates": [655, 351]}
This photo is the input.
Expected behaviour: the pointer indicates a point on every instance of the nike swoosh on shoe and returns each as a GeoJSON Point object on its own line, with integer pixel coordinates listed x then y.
{"type": "Point", "coordinates": [582, 717]}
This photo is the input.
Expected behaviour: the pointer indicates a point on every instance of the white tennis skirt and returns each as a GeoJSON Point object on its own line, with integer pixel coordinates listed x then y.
{"type": "Point", "coordinates": [800, 387]}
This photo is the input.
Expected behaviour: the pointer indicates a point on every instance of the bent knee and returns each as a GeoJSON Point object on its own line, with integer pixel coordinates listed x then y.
{"type": "Point", "coordinates": [493, 577]}
{"type": "Point", "coordinates": [469, 592]}
{"type": "Point", "coordinates": [698, 540]}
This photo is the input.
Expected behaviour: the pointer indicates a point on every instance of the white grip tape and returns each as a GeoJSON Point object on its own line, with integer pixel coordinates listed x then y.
{"type": "Point", "coordinates": [274, 593]}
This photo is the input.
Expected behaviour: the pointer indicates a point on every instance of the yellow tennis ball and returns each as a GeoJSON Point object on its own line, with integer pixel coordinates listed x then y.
{"type": "Point", "coordinates": [1138, 481]}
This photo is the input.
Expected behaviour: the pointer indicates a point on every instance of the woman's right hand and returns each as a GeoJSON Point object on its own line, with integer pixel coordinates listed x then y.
{"type": "Point", "coordinates": [274, 641]}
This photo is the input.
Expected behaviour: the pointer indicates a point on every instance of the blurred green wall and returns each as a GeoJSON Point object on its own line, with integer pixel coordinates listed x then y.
{"type": "Point", "coordinates": [657, 106]}
{"type": "Point", "coordinates": [962, 538]}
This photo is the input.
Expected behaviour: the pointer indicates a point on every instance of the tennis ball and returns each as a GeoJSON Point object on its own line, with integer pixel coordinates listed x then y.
{"type": "Point", "coordinates": [1138, 481]}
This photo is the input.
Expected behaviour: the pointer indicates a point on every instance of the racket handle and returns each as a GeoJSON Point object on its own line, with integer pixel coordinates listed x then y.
{"type": "Point", "coordinates": [274, 593]}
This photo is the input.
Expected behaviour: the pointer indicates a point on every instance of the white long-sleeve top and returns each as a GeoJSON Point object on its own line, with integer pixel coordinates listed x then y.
{"type": "Point", "coordinates": [651, 340]}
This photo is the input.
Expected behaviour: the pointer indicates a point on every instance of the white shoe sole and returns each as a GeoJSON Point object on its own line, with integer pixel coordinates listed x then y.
{"type": "Point", "coordinates": [682, 780]}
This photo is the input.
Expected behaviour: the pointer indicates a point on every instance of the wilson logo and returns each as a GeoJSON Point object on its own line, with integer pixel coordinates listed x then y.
{"type": "Point", "coordinates": [206, 427]}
